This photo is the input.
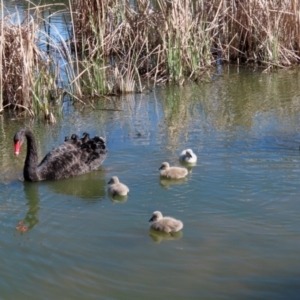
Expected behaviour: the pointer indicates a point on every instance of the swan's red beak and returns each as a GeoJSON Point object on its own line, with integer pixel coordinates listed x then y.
{"type": "Point", "coordinates": [17, 148]}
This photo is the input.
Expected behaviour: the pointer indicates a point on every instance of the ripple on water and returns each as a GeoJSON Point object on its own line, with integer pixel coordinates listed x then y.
{"type": "Point", "coordinates": [239, 203]}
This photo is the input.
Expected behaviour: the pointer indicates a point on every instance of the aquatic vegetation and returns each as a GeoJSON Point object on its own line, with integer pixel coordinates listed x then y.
{"type": "Point", "coordinates": [176, 40]}
{"type": "Point", "coordinates": [27, 79]}
{"type": "Point", "coordinates": [114, 47]}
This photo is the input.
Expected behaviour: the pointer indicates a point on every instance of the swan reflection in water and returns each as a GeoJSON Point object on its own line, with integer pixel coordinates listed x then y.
{"type": "Point", "coordinates": [33, 201]}
{"type": "Point", "coordinates": [158, 236]}
{"type": "Point", "coordinates": [89, 187]}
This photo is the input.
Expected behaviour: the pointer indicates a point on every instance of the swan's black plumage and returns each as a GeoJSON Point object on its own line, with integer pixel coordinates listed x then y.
{"type": "Point", "coordinates": [74, 157]}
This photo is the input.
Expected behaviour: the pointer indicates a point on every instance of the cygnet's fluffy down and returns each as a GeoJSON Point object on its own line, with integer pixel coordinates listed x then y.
{"type": "Point", "coordinates": [165, 224]}
{"type": "Point", "coordinates": [116, 188]}
{"type": "Point", "coordinates": [188, 156]}
{"type": "Point", "coordinates": [172, 172]}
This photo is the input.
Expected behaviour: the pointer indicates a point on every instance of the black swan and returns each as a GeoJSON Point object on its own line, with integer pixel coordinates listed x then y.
{"type": "Point", "coordinates": [74, 157]}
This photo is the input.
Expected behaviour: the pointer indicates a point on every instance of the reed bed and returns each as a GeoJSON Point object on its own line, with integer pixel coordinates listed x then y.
{"type": "Point", "coordinates": [171, 41]}
{"type": "Point", "coordinates": [116, 47]}
{"type": "Point", "coordinates": [26, 78]}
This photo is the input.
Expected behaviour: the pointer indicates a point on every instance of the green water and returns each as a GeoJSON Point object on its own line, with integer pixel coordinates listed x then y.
{"type": "Point", "coordinates": [239, 205]}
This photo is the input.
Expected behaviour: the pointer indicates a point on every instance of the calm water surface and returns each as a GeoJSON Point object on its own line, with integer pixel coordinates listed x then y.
{"type": "Point", "coordinates": [239, 205]}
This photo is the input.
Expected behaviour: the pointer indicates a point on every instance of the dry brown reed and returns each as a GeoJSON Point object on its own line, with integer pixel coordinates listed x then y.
{"type": "Point", "coordinates": [263, 31]}
{"type": "Point", "coordinates": [18, 51]}
{"type": "Point", "coordinates": [27, 80]}
{"type": "Point", "coordinates": [180, 39]}
{"type": "Point", "coordinates": [1, 51]}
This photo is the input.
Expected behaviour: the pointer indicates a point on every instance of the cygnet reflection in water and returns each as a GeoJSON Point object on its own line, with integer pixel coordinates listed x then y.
{"type": "Point", "coordinates": [172, 172]}
{"type": "Point", "coordinates": [165, 224]}
{"type": "Point", "coordinates": [117, 198]}
{"type": "Point", "coordinates": [167, 183]}
{"type": "Point", "coordinates": [188, 166]}
{"type": "Point", "coordinates": [158, 236]}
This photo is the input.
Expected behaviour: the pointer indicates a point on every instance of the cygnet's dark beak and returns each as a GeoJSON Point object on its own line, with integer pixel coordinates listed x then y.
{"type": "Point", "coordinates": [151, 220]}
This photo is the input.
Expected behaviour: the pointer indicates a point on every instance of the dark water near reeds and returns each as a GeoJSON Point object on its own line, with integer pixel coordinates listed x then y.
{"type": "Point", "coordinates": [239, 205]}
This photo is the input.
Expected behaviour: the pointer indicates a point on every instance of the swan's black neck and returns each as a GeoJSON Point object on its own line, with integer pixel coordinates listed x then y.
{"type": "Point", "coordinates": [31, 161]}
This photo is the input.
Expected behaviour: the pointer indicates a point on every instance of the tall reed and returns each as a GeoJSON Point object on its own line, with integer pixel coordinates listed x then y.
{"type": "Point", "coordinates": [179, 39]}
{"type": "Point", "coordinates": [24, 65]}
{"type": "Point", "coordinates": [1, 52]}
